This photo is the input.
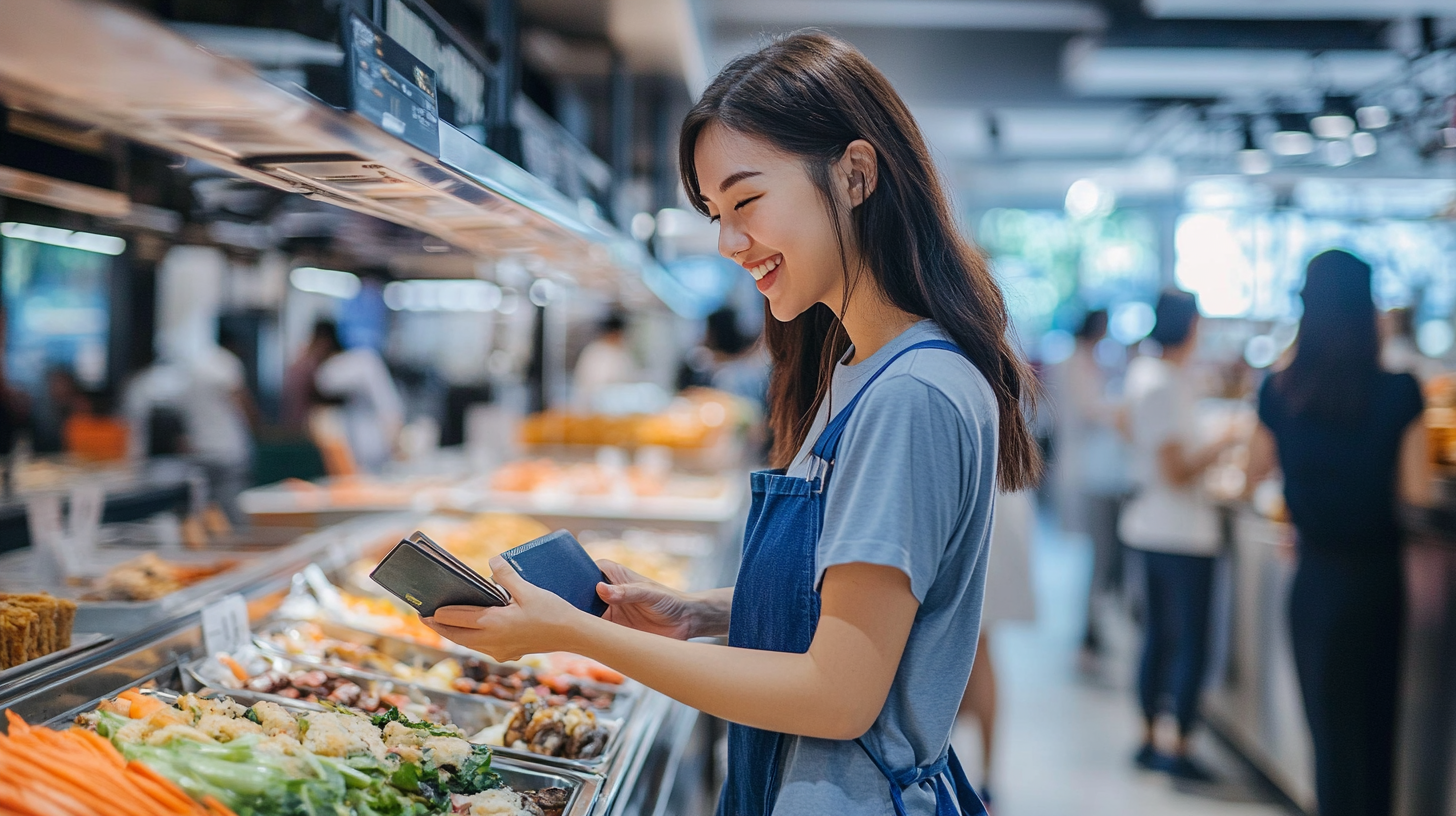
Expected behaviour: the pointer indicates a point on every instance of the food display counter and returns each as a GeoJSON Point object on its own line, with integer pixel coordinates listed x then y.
{"type": "Point", "coordinates": [321, 643]}
{"type": "Point", "coordinates": [1254, 699]}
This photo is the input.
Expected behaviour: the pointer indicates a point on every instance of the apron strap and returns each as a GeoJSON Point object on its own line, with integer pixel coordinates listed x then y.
{"type": "Point", "coordinates": [827, 445]}
{"type": "Point", "coordinates": [963, 802]}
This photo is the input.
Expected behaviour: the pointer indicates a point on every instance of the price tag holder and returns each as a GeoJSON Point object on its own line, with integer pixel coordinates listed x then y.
{"type": "Point", "coordinates": [225, 625]}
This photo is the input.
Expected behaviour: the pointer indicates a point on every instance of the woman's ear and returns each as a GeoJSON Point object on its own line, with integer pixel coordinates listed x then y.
{"type": "Point", "coordinates": [858, 169]}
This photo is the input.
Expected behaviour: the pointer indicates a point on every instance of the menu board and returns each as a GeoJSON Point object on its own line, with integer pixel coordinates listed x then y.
{"type": "Point", "coordinates": [390, 87]}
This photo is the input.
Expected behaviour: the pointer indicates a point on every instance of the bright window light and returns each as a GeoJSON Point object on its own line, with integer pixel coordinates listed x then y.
{"type": "Point", "coordinates": [330, 282]}
{"type": "Point", "coordinates": [89, 241]}
{"type": "Point", "coordinates": [1210, 263]}
{"type": "Point", "coordinates": [442, 296]}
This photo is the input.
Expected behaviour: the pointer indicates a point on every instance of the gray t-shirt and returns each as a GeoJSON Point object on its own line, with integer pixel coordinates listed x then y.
{"type": "Point", "coordinates": [913, 488]}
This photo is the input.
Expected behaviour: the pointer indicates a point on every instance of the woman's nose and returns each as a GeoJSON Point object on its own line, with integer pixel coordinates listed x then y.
{"type": "Point", "coordinates": [731, 240]}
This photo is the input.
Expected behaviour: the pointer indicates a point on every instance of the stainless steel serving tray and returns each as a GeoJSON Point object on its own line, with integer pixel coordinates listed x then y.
{"type": "Point", "coordinates": [411, 653]}
{"type": "Point", "coordinates": [471, 712]}
{"type": "Point", "coordinates": [518, 774]}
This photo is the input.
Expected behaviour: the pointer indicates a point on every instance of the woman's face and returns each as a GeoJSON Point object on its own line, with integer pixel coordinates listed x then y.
{"type": "Point", "coordinates": [773, 221]}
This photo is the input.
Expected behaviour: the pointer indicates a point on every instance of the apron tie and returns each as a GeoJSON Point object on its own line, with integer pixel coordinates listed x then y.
{"type": "Point", "coordinates": [932, 777]}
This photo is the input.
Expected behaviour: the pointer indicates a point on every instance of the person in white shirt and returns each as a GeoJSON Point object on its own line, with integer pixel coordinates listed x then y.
{"type": "Point", "coordinates": [373, 409]}
{"type": "Point", "coordinates": [605, 362]}
{"type": "Point", "coordinates": [1176, 529]}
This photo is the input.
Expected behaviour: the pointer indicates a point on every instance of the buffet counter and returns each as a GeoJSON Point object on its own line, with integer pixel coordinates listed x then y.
{"type": "Point", "coordinates": [313, 630]}
{"type": "Point", "coordinates": [1254, 701]}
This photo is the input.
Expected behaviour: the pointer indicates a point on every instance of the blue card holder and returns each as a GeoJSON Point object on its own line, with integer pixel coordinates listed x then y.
{"type": "Point", "coordinates": [557, 562]}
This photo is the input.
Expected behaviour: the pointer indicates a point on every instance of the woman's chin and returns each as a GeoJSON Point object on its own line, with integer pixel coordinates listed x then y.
{"type": "Point", "coordinates": [782, 310]}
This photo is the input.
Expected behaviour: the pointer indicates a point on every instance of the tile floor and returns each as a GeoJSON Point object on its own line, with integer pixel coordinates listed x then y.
{"type": "Point", "coordinates": [1068, 731]}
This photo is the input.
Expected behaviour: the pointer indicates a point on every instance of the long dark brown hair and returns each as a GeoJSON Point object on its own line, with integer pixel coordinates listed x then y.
{"type": "Point", "coordinates": [810, 95]}
{"type": "Point", "coordinates": [1339, 345]}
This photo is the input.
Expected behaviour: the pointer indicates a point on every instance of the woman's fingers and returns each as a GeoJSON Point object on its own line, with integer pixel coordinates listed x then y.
{"type": "Point", "coordinates": [467, 617]}
{"type": "Point", "coordinates": [618, 574]}
{"type": "Point", "coordinates": [629, 593]}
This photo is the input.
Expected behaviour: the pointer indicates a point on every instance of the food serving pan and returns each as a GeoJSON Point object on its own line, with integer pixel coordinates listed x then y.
{"type": "Point", "coordinates": [519, 774]}
{"type": "Point", "coordinates": [271, 638]}
{"type": "Point", "coordinates": [472, 713]}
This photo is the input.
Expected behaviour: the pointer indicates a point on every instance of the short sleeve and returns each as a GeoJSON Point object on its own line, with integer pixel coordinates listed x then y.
{"type": "Point", "coordinates": [901, 481]}
{"type": "Point", "coordinates": [1157, 419]}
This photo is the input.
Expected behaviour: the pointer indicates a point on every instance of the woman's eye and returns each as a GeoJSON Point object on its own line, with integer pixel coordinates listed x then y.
{"type": "Point", "coordinates": [745, 202]}
{"type": "Point", "coordinates": [713, 219]}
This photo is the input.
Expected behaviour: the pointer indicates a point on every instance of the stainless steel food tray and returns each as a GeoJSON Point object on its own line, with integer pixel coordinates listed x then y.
{"type": "Point", "coordinates": [471, 712]}
{"type": "Point", "coordinates": [416, 654]}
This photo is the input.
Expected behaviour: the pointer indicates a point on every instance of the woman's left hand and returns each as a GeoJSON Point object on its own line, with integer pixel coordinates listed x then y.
{"type": "Point", "coordinates": [536, 620]}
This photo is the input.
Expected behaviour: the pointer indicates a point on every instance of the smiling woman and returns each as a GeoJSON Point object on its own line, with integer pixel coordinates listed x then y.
{"type": "Point", "coordinates": [897, 405]}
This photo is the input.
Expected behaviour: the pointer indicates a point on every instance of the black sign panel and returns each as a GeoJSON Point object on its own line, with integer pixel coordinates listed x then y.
{"type": "Point", "coordinates": [390, 87]}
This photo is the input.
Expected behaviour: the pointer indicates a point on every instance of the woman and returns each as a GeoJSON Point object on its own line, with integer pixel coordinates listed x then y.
{"type": "Point", "coordinates": [1174, 528]}
{"type": "Point", "coordinates": [896, 410]}
{"type": "Point", "coordinates": [1345, 434]}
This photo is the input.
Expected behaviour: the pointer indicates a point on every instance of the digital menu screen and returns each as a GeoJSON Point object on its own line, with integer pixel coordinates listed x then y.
{"type": "Point", "coordinates": [58, 312]}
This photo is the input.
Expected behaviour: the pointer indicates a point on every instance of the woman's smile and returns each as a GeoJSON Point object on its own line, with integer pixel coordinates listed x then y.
{"type": "Point", "coordinates": [765, 272]}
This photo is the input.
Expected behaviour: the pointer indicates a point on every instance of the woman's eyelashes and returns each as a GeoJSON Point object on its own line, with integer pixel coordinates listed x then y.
{"type": "Point", "coordinates": [713, 219]}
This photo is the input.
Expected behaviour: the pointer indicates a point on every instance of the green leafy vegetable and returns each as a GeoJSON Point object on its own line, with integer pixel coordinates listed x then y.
{"type": "Point", "coordinates": [394, 715]}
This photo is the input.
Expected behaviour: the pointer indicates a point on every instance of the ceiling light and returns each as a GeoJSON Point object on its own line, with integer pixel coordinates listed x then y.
{"type": "Point", "coordinates": [643, 225]}
{"type": "Point", "coordinates": [1363, 144]}
{"type": "Point", "coordinates": [1332, 126]}
{"type": "Point", "coordinates": [1086, 198]}
{"type": "Point", "coordinates": [1252, 160]}
{"type": "Point", "coordinates": [1448, 137]}
{"type": "Point", "coordinates": [442, 296]}
{"type": "Point", "coordinates": [1293, 137]}
{"type": "Point", "coordinates": [89, 241]}
{"type": "Point", "coordinates": [330, 282]}
{"type": "Point", "coordinates": [1373, 117]}
{"type": "Point", "coordinates": [1337, 153]}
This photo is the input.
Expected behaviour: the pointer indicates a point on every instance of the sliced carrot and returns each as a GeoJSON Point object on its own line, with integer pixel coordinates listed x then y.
{"type": "Point", "coordinates": [234, 666]}
{"type": "Point", "coordinates": [216, 808]}
{"type": "Point", "coordinates": [143, 707]}
{"type": "Point", "coordinates": [164, 788]}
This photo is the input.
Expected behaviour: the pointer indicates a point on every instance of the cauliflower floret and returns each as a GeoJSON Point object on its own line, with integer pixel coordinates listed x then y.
{"type": "Point", "coordinates": [448, 752]}
{"type": "Point", "coordinates": [399, 735]}
{"type": "Point", "coordinates": [497, 802]}
{"type": "Point", "coordinates": [163, 736]}
{"type": "Point", "coordinates": [203, 706]}
{"type": "Point", "coordinates": [226, 729]}
{"type": "Point", "coordinates": [339, 735]}
{"type": "Point", "coordinates": [159, 720]}
{"type": "Point", "coordinates": [280, 744]}
{"type": "Point", "coordinates": [276, 720]}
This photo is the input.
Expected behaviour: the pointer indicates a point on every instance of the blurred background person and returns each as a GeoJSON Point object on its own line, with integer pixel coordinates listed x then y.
{"type": "Point", "coordinates": [63, 398]}
{"type": "Point", "coordinates": [1398, 349]}
{"type": "Point", "coordinates": [1010, 596]}
{"type": "Point", "coordinates": [605, 362]}
{"type": "Point", "coordinates": [1349, 439]}
{"type": "Point", "coordinates": [192, 405]}
{"type": "Point", "coordinates": [358, 381]}
{"type": "Point", "coordinates": [1174, 528]}
{"type": "Point", "coordinates": [299, 393]}
{"type": "Point", "coordinates": [1090, 462]}
{"type": "Point", "coordinates": [729, 359]}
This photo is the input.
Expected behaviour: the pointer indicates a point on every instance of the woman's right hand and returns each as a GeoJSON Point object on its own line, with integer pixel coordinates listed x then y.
{"type": "Point", "coordinates": [643, 604]}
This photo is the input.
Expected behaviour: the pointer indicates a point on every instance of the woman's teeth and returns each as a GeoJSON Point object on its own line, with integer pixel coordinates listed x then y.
{"type": "Point", "coordinates": [766, 267]}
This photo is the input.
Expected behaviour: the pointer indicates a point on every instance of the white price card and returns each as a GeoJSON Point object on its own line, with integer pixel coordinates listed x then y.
{"type": "Point", "coordinates": [225, 625]}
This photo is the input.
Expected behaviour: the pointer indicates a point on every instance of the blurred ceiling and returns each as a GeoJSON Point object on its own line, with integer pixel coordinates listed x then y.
{"type": "Point", "coordinates": [1049, 88]}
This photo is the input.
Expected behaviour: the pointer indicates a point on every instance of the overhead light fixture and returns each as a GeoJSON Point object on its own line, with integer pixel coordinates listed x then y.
{"type": "Point", "coordinates": [1337, 120]}
{"type": "Point", "coordinates": [1363, 144]}
{"type": "Point", "coordinates": [1252, 160]}
{"type": "Point", "coordinates": [1373, 117]}
{"type": "Point", "coordinates": [1448, 137]}
{"type": "Point", "coordinates": [1293, 137]}
{"type": "Point", "coordinates": [89, 241]}
{"type": "Point", "coordinates": [1086, 198]}
{"type": "Point", "coordinates": [330, 282]}
{"type": "Point", "coordinates": [442, 296]}
{"type": "Point", "coordinates": [1338, 153]}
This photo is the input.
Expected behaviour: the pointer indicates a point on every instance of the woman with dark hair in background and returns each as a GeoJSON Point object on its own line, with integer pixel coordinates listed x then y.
{"type": "Point", "coordinates": [1174, 527]}
{"type": "Point", "coordinates": [1349, 440]}
{"type": "Point", "coordinates": [897, 406]}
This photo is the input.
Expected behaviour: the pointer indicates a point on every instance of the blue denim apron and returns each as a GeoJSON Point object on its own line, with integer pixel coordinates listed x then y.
{"type": "Point", "coordinates": [776, 608]}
